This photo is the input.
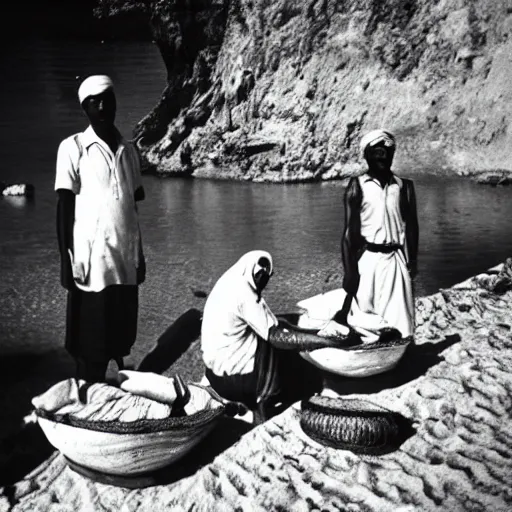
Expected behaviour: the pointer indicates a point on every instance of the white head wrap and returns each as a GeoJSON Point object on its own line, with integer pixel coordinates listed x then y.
{"type": "Point", "coordinates": [95, 84]}
{"type": "Point", "coordinates": [376, 136]}
{"type": "Point", "coordinates": [244, 270]}
{"type": "Point", "coordinates": [248, 265]}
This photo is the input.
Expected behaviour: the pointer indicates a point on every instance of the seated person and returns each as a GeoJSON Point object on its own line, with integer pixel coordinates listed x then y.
{"type": "Point", "coordinates": [240, 363]}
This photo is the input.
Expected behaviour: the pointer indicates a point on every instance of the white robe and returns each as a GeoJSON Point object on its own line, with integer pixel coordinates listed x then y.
{"type": "Point", "coordinates": [234, 318]}
{"type": "Point", "coordinates": [384, 297]}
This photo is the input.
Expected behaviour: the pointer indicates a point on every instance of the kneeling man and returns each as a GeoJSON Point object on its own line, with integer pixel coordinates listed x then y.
{"type": "Point", "coordinates": [241, 365]}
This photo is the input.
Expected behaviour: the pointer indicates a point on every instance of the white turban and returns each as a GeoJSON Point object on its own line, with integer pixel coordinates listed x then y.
{"type": "Point", "coordinates": [376, 136]}
{"type": "Point", "coordinates": [93, 85]}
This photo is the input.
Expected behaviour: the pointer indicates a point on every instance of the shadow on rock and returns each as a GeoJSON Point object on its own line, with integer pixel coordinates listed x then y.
{"type": "Point", "coordinates": [23, 376]}
{"type": "Point", "coordinates": [227, 432]}
{"type": "Point", "coordinates": [415, 363]}
{"type": "Point", "coordinates": [173, 343]}
{"type": "Point", "coordinates": [22, 452]}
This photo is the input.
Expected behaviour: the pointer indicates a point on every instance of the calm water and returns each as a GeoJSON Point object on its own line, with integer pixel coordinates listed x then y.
{"type": "Point", "coordinates": [193, 230]}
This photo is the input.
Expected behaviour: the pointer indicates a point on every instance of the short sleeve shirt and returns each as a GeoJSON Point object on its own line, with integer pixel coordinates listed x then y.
{"type": "Point", "coordinates": [106, 235]}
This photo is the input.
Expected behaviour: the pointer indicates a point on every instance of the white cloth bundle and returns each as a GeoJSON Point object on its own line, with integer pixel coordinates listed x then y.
{"type": "Point", "coordinates": [149, 385]}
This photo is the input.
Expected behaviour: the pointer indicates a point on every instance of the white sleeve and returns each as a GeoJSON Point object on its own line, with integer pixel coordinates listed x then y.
{"type": "Point", "coordinates": [258, 316]}
{"type": "Point", "coordinates": [67, 175]}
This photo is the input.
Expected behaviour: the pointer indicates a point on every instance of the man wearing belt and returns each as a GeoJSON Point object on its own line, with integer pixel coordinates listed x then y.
{"type": "Point", "coordinates": [380, 244]}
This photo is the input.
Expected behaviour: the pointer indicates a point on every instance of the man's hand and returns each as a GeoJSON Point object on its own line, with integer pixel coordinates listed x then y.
{"type": "Point", "coordinates": [412, 267]}
{"type": "Point", "coordinates": [66, 274]}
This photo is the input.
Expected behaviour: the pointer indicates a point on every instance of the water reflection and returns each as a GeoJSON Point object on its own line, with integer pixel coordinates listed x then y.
{"type": "Point", "coordinates": [21, 202]}
{"type": "Point", "coordinates": [208, 225]}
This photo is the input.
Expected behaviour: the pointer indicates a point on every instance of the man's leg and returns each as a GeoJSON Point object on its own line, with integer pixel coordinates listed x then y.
{"type": "Point", "coordinates": [120, 321]}
{"type": "Point", "coordinates": [236, 388]}
{"type": "Point", "coordinates": [91, 371]}
{"type": "Point", "coordinates": [268, 379]}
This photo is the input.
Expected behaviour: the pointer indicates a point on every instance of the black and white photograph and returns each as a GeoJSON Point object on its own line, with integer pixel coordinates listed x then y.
{"type": "Point", "coordinates": [256, 256]}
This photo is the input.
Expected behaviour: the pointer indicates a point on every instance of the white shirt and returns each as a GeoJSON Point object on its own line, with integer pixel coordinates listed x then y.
{"type": "Point", "coordinates": [381, 218]}
{"type": "Point", "coordinates": [233, 320]}
{"type": "Point", "coordinates": [106, 234]}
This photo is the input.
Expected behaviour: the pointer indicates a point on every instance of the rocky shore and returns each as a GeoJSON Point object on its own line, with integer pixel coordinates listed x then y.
{"type": "Point", "coordinates": [454, 385]}
{"type": "Point", "coordinates": [494, 178]}
{"type": "Point", "coordinates": [282, 91]}
{"type": "Point", "coordinates": [20, 189]}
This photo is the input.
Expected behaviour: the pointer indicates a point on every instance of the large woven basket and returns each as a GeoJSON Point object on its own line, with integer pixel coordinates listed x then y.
{"type": "Point", "coordinates": [359, 360]}
{"type": "Point", "coordinates": [136, 447]}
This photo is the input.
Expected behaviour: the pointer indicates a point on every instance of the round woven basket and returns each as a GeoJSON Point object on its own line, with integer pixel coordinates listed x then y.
{"type": "Point", "coordinates": [359, 360]}
{"type": "Point", "coordinates": [355, 425]}
{"type": "Point", "coordinates": [135, 447]}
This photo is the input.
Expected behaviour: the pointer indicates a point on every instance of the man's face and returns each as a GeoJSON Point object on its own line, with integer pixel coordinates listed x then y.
{"type": "Point", "coordinates": [380, 157]}
{"type": "Point", "coordinates": [101, 108]}
{"type": "Point", "coordinates": [262, 276]}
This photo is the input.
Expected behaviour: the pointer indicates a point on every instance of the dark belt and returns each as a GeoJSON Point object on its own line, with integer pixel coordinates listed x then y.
{"type": "Point", "coordinates": [385, 248]}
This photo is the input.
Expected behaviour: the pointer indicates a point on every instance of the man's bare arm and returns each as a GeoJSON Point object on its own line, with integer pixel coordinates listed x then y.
{"type": "Point", "coordinates": [412, 228]}
{"type": "Point", "coordinates": [351, 242]}
{"type": "Point", "coordinates": [65, 222]}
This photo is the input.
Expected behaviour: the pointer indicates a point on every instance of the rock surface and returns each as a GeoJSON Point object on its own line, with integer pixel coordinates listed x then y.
{"type": "Point", "coordinates": [497, 177]}
{"type": "Point", "coordinates": [455, 385]}
{"type": "Point", "coordinates": [21, 189]}
{"type": "Point", "coordinates": [282, 90]}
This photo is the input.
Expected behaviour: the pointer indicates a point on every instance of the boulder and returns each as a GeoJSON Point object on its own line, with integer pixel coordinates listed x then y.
{"type": "Point", "coordinates": [22, 189]}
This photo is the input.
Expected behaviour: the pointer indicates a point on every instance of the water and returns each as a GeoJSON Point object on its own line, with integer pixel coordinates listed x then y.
{"type": "Point", "coordinates": [193, 230]}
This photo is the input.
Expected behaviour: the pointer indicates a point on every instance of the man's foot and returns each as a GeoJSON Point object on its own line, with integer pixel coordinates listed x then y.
{"type": "Point", "coordinates": [248, 417]}
{"type": "Point", "coordinates": [389, 334]}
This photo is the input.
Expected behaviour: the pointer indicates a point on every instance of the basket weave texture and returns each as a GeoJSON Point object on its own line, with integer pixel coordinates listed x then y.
{"type": "Point", "coordinates": [202, 410]}
{"type": "Point", "coordinates": [355, 425]}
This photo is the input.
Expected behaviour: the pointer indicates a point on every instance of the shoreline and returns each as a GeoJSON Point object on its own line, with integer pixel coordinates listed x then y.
{"type": "Point", "coordinates": [452, 385]}
{"type": "Point", "coordinates": [492, 177]}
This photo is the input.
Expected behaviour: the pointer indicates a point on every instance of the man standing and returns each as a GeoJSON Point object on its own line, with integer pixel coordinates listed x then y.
{"type": "Point", "coordinates": [98, 183]}
{"type": "Point", "coordinates": [380, 244]}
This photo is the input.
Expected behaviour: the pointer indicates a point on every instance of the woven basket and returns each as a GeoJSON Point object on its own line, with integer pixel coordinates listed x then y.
{"type": "Point", "coordinates": [135, 447]}
{"type": "Point", "coordinates": [355, 425]}
{"type": "Point", "coordinates": [359, 360]}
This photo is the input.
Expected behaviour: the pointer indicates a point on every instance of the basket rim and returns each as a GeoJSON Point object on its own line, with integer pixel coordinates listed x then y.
{"type": "Point", "coordinates": [365, 347]}
{"type": "Point", "coordinates": [342, 407]}
{"type": "Point", "coordinates": [359, 449]}
{"type": "Point", "coordinates": [143, 425]}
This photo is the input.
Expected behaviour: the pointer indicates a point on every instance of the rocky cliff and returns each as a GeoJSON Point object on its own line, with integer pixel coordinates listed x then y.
{"type": "Point", "coordinates": [282, 90]}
